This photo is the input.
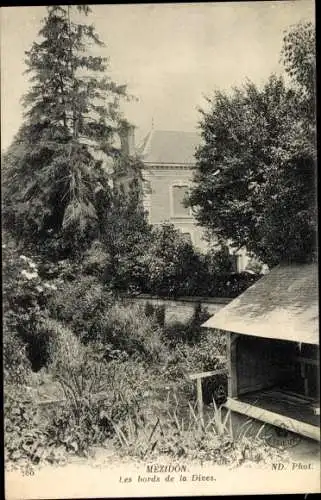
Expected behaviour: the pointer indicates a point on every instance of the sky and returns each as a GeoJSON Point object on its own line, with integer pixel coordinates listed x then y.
{"type": "Point", "coordinates": [169, 55]}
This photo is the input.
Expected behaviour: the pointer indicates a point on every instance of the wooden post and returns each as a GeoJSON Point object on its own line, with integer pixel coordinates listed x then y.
{"type": "Point", "coordinates": [200, 400]}
{"type": "Point", "coordinates": [231, 424]}
{"type": "Point", "coordinates": [306, 386]}
{"type": "Point", "coordinates": [231, 364]}
{"type": "Point", "coordinates": [198, 377]}
{"type": "Point", "coordinates": [304, 374]}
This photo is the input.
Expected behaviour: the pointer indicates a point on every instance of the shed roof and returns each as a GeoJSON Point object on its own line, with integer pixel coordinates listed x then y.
{"type": "Point", "coordinates": [281, 305]}
{"type": "Point", "coordinates": [170, 147]}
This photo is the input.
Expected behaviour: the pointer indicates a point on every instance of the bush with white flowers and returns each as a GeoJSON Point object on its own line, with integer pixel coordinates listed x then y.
{"type": "Point", "coordinates": [25, 299]}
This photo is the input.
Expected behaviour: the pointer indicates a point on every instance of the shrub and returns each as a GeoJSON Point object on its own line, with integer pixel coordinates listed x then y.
{"type": "Point", "coordinates": [158, 312]}
{"type": "Point", "coordinates": [207, 354]}
{"type": "Point", "coordinates": [218, 260]}
{"type": "Point", "coordinates": [95, 259]}
{"type": "Point", "coordinates": [25, 301]}
{"type": "Point", "coordinates": [228, 285]}
{"type": "Point", "coordinates": [98, 393]}
{"type": "Point", "coordinates": [81, 305]}
{"type": "Point", "coordinates": [128, 384]}
{"type": "Point", "coordinates": [128, 329]}
{"type": "Point", "coordinates": [25, 434]}
{"type": "Point", "coordinates": [16, 365]}
{"type": "Point", "coordinates": [168, 265]}
{"type": "Point", "coordinates": [76, 368]}
{"type": "Point", "coordinates": [189, 332]}
{"type": "Point", "coordinates": [37, 435]}
{"type": "Point", "coordinates": [174, 267]}
{"type": "Point", "coordinates": [75, 432]}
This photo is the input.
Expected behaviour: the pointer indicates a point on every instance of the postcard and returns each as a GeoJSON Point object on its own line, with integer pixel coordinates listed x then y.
{"type": "Point", "coordinates": [160, 268]}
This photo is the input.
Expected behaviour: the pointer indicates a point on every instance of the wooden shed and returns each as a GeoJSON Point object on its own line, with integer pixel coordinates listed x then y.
{"type": "Point", "coordinates": [273, 349]}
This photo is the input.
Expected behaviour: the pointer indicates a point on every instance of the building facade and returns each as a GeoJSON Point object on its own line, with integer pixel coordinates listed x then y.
{"type": "Point", "coordinates": [169, 163]}
{"type": "Point", "coordinates": [168, 159]}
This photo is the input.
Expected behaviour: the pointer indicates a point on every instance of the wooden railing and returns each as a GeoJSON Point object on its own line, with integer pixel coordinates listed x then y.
{"type": "Point", "coordinates": [199, 377]}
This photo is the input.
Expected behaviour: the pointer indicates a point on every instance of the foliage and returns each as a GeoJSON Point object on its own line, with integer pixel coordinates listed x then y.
{"type": "Point", "coordinates": [16, 364]}
{"type": "Point", "coordinates": [87, 376]}
{"type": "Point", "coordinates": [207, 353]}
{"type": "Point", "coordinates": [59, 272]}
{"type": "Point", "coordinates": [191, 349]}
{"type": "Point", "coordinates": [98, 394]}
{"type": "Point", "coordinates": [257, 156]}
{"type": "Point", "coordinates": [63, 153]}
{"type": "Point", "coordinates": [298, 57]}
{"type": "Point", "coordinates": [26, 296]}
{"type": "Point", "coordinates": [35, 292]}
{"type": "Point", "coordinates": [159, 261]}
{"type": "Point", "coordinates": [129, 330]}
{"type": "Point", "coordinates": [78, 369]}
{"type": "Point", "coordinates": [110, 401]}
{"type": "Point", "coordinates": [81, 305]}
{"type": "Point", "coordinates": [95, 260]}
{"type": "Point", "coordinates": [36, 435]}
{"type": "Point", "coordinates": [126, 236]}
{"type": "Point", "coordinates": [158, 312]}
{"type": "Point", "coordinates": [92, 314]}
{"type": "Point", "coordinates": [26, 437]}
{"type": "Point", "coordinates": [169, 434]}
{"type": "Point", "coordinates": [219, 260]}
{"type": "Point", "coordinates": [227, 285]}
{"type": "Point", "coordinates": [188, 438]}
{"type": "Point", "coordinates": [174, 267]}
{"type": "Point", "coordinates": [188, 332]}
{"type": "Point", "coordinates": [76, 432]}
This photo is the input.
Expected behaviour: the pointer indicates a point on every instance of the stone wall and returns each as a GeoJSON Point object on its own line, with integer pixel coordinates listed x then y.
{"type": "Point", "coordinates": [180, 310]}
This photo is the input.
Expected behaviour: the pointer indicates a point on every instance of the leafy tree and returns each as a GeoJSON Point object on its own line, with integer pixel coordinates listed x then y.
{"type": "Point", "coordinates": [219, 260]}
{"type": "Point", "coordinates": [63, 151]}
{"type": "Point", "coordinates": [125, 236]}
{"type": "Point", "coordinates": [174, 267]}
{"type": "Point", "coordinates": [256, 167]}
{"type": "Point", "coordinates": [298, 56]}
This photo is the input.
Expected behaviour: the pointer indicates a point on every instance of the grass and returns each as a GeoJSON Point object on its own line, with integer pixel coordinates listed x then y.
{"type": "Point", "coordinates": [147, 411]}
{"type": "Point", "coordinates": [183, 434]}
{"type": "Point", "coordinates": [165, 424]}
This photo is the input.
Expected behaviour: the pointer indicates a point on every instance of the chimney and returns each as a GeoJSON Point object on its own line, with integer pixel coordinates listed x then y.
{"type": "Point", "coordinates": [127, 138]}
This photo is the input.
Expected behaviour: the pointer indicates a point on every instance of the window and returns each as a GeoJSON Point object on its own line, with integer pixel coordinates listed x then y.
{"type": "Point", "coordinates": [178, 196]}
{"type": "Point", "coordinates": [187, 237]}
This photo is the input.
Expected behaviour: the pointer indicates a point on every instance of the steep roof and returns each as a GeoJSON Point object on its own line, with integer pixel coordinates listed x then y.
{"type": "Point", "coordinates": [169, 147]}
{"type": "Point", "coordinates": [281, 305]}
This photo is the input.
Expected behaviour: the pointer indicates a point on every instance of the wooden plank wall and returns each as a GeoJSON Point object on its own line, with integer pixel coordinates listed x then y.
{"type": "Point", "coordinates": [262, 363]}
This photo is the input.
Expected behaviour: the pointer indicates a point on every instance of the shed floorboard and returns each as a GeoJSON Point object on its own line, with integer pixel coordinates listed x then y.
{"type": "Point", "coordinates": [283, 403]}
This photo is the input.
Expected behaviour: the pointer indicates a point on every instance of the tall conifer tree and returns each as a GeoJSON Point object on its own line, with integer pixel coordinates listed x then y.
{"type": "Point", "coordinates": [58, 159]}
